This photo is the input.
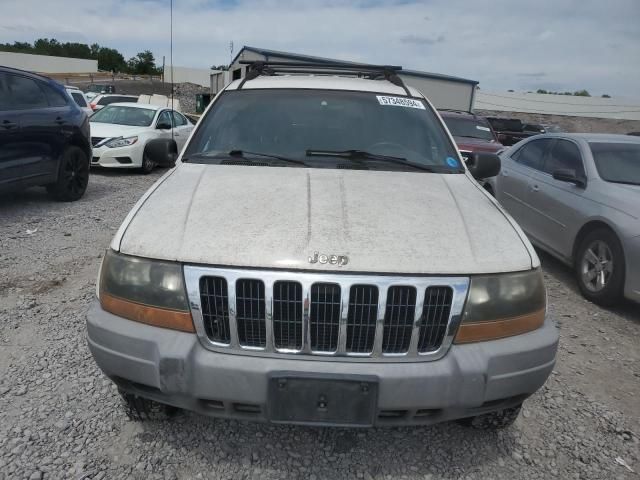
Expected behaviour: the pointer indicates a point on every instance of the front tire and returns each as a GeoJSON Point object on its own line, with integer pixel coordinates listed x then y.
{"type": "Point", "coordinates": [600, 267]}
{"type": "Point", "coordinates": [494, 420]}
{"type": "Point", "coordinates": [147, 164]}
{"type": "Point", "coordinates": [140, 409]}
{"type": "Point", "coordinates": [73, 176]}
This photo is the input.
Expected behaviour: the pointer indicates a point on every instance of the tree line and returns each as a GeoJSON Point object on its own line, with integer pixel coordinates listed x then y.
{"type": "Point", "coordinates": [109, 59]}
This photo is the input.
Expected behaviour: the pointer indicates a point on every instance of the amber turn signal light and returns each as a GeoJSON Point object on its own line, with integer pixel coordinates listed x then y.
{"type": "Point", "coordinates": [496, 329]}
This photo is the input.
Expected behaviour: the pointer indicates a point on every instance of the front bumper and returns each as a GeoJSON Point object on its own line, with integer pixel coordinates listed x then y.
{"type": "Point", "coordinates": [123, 157]}
{"type": "Point", "coordinates": [174, 368]}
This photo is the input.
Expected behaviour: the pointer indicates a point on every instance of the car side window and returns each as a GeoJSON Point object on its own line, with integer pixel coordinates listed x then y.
{"type": "Point", "coordinates": [532, 154]}
{"type": "Point", "coordinates": [25, 93]}
{"type": "Point", "coordinates": [5, 99]}
{"type": "Point", "coordinates": [564, 155]}
{"type": "Point", "coordinates": [79, 99]}
{"type": "Point", "coordinates": [164, 118]}
{"type": "Point", "coordinates": [179, 120]}
{"type": "Point", "coordinates": [54, 97]}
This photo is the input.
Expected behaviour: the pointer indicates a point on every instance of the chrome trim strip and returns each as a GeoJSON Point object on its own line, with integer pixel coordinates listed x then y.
{"type": "Point", "coordinates": [460, 286]}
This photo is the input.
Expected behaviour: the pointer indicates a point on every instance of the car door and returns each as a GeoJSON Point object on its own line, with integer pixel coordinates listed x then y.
{"type": "Point", "coordinates": [164, 124]}
{"type": "Point", "coordinates": [515, 176]}
{"type": "Point", "coordinates": [38, 134]}
{"type": "Point", "coordinates": [11, 146]}
{"type": "Point", "coordinates": [182, 129]}
{"type": "Point", "coordinates": [557, 206]}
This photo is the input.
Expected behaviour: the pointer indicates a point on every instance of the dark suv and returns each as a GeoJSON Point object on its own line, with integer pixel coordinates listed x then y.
{"type": "Point", "coordinates": [44, 136]}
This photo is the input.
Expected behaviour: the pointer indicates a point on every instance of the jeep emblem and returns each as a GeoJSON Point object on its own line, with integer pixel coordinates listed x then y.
{"type": "Point", "coordinates": [339, 260]}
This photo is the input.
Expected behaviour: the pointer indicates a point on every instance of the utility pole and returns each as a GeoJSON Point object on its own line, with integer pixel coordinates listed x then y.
{"type": "Point", "coordinates": [230, 52]}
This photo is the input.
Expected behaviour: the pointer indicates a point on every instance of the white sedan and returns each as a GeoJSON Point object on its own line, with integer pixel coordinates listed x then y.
{"type": "Point", "coordinates": [121, 131]}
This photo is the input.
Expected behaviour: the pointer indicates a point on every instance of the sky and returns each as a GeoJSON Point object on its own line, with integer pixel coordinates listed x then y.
{"type": "Point", "coordinates": [556, 45]}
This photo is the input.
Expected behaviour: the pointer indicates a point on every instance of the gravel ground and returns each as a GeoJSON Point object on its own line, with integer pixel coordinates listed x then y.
{"type": "Point", "coordinates": [61, 418]}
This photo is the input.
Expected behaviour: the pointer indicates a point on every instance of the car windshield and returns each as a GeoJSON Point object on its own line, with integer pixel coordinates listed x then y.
{"type": "Point", "coordinates": [121, 115]}
{"type": "Point", "coordinates": [617, 162]}
{"type": "Point", "coordinates": [324, 129]}
{"type": "Point", "coordinates": [469, 127]}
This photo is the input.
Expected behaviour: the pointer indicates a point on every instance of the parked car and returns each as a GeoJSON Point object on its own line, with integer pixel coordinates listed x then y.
{"type": "Point", "coordinates": [577, 196]}
{"type": "Point", "coordinates": [96, 89]}
{"type": "Point", "coordinates": [78, 97]}
{"type": "Point", "coordinates": [120, 133]}
{"type": "Point", "coordinates": [509, 130]}
{"type": "Point", "coordinates": [102, 101]}
{"type": "Point", "coordinates": [533, 128]}
{"type": "Point", "coordinates": [44, 136]}
{"type": "Point", "coordinates": [320, 255]}
{"type": "Point", "coordinates": [471, 133]}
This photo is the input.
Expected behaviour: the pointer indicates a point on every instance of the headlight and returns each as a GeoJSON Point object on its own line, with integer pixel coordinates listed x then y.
{"type": "Point", "coordinates": [147, 291]}
{"type": "Point", "coordinates": [121, 142]}
{"type": "Point", "coordinates": [503, 305]}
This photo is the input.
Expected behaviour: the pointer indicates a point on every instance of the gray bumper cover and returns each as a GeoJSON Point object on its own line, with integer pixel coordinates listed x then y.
{"type": "Point", "coordinates": [174, 368]}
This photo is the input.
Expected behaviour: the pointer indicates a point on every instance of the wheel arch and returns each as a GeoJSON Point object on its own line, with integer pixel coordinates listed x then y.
{"type": "Point", "coordinates": [161, 150]}
{"type": "Point", "coordinates": [586, 229]}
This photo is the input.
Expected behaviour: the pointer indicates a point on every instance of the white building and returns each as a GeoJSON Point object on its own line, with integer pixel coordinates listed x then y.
{"type": "Point", "coordinates": [47, 63]}
{"type": "Point", "coordinates": [444, 91]}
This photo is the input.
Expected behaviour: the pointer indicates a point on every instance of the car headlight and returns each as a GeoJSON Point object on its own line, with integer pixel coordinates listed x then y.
{"type": "Point", "coordinates": [121, 142]}
{"type": "Point", "coordinates": [503, 305]}
{"type": "Point", "coordinates": [144, 290]}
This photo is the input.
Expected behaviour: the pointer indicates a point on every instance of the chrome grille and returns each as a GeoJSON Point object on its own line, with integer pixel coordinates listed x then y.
{"type": "Point", "coordinates": [332, 317]}
{"type": "Point", "coordinates": [215, 308]}
{"type": "Point", "coordinates": [287, 315]}
{"type": "Point", "coordinates": [361, 320]}
{"type": "Point", "coordinates": [250, 313]}
{"type": "Point", "coordinates": [324, 319]}
{"type": "Point", "coordinates": [435, 317]}
{"type": "Point", "coordinates": [398, 319]}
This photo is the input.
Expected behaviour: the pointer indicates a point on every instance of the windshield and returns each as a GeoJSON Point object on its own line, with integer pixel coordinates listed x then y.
{"type": "Point", "coordinates": [468, 127]}
{"type": "Point", "coordinates": [306, 125]}
{"type": "Point", "coordinates": [120, 115]}
{"type": "Point", "coordinates": [617, 162]}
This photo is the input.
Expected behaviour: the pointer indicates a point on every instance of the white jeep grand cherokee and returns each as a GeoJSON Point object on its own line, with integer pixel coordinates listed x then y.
{"type": "Point", "coordinates": [321, 255]}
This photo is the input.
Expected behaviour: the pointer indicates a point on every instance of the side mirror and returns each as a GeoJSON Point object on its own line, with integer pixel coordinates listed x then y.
{"type": "Point", "coordinates": [569, 176]}
{"type": "Point", "coordinates": [483, 165]}
{"type": "Point", "coordinates": [163, 151]}
{"type": "Point", "coordinates": [163, 126]}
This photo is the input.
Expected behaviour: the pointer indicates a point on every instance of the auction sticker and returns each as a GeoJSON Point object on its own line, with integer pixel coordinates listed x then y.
{"type": "Point", "coordinates": [400, 102]}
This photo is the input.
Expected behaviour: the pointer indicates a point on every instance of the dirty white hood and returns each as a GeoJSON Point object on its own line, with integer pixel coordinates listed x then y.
{"type": "Point", "coordinates": [272, 217]}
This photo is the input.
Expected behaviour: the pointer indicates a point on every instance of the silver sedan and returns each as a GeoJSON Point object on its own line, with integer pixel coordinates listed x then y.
{"type": "Point", "coordinates": [577, 196]}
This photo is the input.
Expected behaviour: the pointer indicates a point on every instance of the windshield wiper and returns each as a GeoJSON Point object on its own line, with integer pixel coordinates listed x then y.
{"type": "Point", "coordinates": [354, 155]}
{"type": "Point", "coordinates": [242, 154]}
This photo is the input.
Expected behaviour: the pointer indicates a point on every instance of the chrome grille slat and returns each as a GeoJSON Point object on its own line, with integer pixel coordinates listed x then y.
{"type": "Point", "coordinates": [213, 292]}
{"type": "Point", "coordinates": [362, 318]}
{"type": "Point", "coordinates": [324, 320]}
{"type": "Point", "coordinates": [287, 315]}
{"type": "Point", "coordinates": [250, 313]}
{"type": "Point", "coordinates": [435, 317]}
{"type": "Point", "coordinates": [324, 316]}
{"type": "Point", "coordinates": [398, 320]}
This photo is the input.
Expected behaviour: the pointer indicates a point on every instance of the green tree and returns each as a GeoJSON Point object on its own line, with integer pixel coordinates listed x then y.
{"type": "Point", "coordinates": [143, 64]}
{"type": "Point", "coordinates": [110, 59]}
{"type": "Point", "coordinates": [606, 95]}
{"type": "Point", "coordinates": [581, 93]}
{"type": "Point", "coordinates": [540, 90]}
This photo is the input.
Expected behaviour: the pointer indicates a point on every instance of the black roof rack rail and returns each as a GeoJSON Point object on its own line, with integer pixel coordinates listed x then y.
{"type": "Point", "coordinates": [373, 72]}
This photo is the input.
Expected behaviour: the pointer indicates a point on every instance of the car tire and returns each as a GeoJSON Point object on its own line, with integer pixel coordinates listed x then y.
{"type": "Point", "coordinates": [140, 409]}
{"type": "Point", "coordinates": [600, 253]}
{"type": "Point", "coordinates": [73, 176]}
{"type": "Point", "coordinates": [147, 164]}
{"type": "Point", "coordinates": [494, 420]}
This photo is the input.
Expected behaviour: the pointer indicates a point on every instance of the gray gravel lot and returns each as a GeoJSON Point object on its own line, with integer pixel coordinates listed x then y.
{"type": "Point", "coordinates": [61, 418]}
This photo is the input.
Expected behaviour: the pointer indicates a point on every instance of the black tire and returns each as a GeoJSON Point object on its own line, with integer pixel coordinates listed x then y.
{"type": "Point", "coordinates": [147, 164]}
{"type": "Point", "coordinates": [140, 409]}
{"type": "Point", "coordinates": [494, 420]}
{"type": "Point", "coordinates": [612, 271]}
{"type": "Point", "coordinates": [73, 176]}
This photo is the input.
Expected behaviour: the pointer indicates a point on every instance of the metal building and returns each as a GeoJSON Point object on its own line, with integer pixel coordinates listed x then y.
{"type": "Point", "coordinates": [444, 91]}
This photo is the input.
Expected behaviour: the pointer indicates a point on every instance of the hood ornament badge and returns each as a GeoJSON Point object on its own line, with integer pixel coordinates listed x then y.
{"type": "Point", "coordinates": [339, 260]}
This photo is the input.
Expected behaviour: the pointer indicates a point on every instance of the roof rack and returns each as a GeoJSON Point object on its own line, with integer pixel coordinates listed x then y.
{"type": "Point", "coordinates": [363, 70]}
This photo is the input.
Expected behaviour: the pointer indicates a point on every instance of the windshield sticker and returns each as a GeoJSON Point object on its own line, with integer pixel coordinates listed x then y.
{"type": "Point", "coordinates": [484, 129]}
{"type": "Point", "coordinates": [400, 102]}
{"type": "Point", "coordinates": [452, 162]}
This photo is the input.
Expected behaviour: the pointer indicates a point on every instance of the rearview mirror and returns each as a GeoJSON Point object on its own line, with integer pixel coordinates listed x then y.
{"type": "Point", "coordinates": [483, 165]}
{"type": "Point", "coordinates": [163, 126]}
{"type": "Point", "coordinates": [569, 176]}
{"type": "Point", "coordinates": [162, 151]}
